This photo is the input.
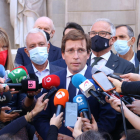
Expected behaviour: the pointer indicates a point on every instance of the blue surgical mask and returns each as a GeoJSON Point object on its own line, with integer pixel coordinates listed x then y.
{"type": "Point", "coordinates": [39, 55]}
{"type": "Point", "coordinates": [121, 46]}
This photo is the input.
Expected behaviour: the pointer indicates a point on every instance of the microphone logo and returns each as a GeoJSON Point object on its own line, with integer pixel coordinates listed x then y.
{"type": "Point", "coordinates": [60, 94]}
{"type": "Point", "coordinates": [48, 79]}
{"type": "Point", "coordinates": [79, 99]}
{"type": "Point", "coordinates": [86, 83]}
{"type": "Point", "coordinates": [31, 84]}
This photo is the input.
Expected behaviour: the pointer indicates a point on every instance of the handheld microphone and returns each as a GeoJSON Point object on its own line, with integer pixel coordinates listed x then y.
{"type": "Point", "coordinates": [60, 99]}
{"type": "Point", "coordinates": [50, 81]}
{"type": "Point", "coordinates": [2, 71]}
{"type": "Point", "coordinates": [86, 87]}
{"type": "Point", "coordinates": [16, 76]}
{"type": "Point", "coordinates": [25, 85]}
{"type": "Point", "coordinates": [82, 105]}
{"type": "Point", "coordinates": [22, 68]}
{"type": "Point", "coordinates": [5, 97]}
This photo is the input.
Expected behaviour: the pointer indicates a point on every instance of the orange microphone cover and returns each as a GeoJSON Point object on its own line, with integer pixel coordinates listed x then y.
{"type": "Point", "coordinates": [61, 97]}
{"type": "Point", "coordinates": [50, 81]}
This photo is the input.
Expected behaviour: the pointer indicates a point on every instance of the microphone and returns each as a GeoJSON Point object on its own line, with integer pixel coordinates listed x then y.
{"type": "Point", "coordinates": [60, 99]}
{"type": "Point", "coordinates": [5, 97]}
{"type": "Point", "coordinates": [22, 68]}
{"type": "Point", "coordinates": [82, 105]}
{"type": "Point", "coordinates": [16, 76]}
{"type": "Point", "coordinates": [50, 81]}
{"type": "Point", "coordinates": [2, 71]}
{"type": "Point", "coordinates": [25, 85]}
{"type": "Point", "coordinates": [86, 87]}
{"type": "Point", "coordinates": [107, 71]}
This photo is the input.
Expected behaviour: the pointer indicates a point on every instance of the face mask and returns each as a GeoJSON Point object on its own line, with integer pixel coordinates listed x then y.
{"type": "Point", "coordinates": [138, 55]}
{"type": "Point", "coordinates": [39, 55]}
{"type": "Point", "coordinates": [121, 46]}
{"type": "Point", "coordinates": [99, 43]}
{"type": "Point", "coordinates": [47, 35]}
{"type": "Point", "coordinates": [3, 57]}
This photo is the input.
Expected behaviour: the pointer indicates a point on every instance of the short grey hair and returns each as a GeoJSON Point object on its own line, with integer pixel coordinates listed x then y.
{"type": "Point", "coordinates": [113, 30]}
{"type": "Point", "coordinates": [130, 31]}
{"type": "Point", "coordinates": [33, 31]}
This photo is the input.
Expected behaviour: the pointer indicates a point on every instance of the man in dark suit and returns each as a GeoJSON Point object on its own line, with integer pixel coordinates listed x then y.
{"type": "Point", "coordinates": [47, 25]}
{"type": "Point", "coordinates": [75, 51]}
{"type": "Point", "coordinates": [124, 41]}
{"type": "Point", "coordinates": [102, 37]}
{"type": "Point", "coordinates": [39, 67]}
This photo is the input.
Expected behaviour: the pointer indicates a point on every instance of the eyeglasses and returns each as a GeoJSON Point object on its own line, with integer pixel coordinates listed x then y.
{"type": "Point", "coordinates": [79, 51]}
{"type": "Point", "coordinates": [101, 33]}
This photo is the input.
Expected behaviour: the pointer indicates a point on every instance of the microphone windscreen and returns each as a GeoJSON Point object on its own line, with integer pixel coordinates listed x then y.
{"type": "Point", "coordinates": [50, 81]}
{"type": "Point", "coordinates": [17, 75]}
{"type": "Point", "coordinates": [29, 85]}
{"type": "Point", "coordinates": [82, 103]}
{"type": "Point", "coordinates": [2, 71]}
{"type": "Point", "coordinates": [61, 97]}
{"type": "Point", "coordinates": [5, 97]}
{"type": "Point", "coordinates": [77, 79]}
{"type": "Point", "coordinates": [22, 68]}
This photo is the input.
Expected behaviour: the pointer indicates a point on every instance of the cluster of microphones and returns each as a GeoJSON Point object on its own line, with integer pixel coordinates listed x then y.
{"type": "Point", "coordinates": [98, 87]}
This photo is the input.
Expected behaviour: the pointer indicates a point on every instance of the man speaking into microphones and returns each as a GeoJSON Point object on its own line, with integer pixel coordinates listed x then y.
{"type": "Point", "coordinates": [75, 50]}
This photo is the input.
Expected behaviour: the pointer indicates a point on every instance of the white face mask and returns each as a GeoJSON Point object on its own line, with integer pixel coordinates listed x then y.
{"type": "Point", "coordinates": [39, 55]}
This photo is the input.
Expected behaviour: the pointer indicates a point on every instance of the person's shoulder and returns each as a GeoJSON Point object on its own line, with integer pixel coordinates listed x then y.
{"type": "Point", "coordinates": [56, 68]}
{"type": "Point", "coordinates": [21, 49]}
{"type": "Point", "coordinates": [55, 47]}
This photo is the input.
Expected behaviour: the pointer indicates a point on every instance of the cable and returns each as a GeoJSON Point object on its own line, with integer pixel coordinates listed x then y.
{"type": "Point", "coordinates": [122, 111]}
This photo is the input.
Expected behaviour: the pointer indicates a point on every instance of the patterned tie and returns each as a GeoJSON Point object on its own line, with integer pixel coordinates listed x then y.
{"type": "Point", "coordinates": [96, 59]}
{"type": "Point", "coordinates": [71, 90]}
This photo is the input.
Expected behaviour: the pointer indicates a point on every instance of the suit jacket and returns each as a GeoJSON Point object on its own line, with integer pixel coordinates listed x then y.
{"type": "Point", "coordinates": [103, 114]}
{"type": "Point", "coordinates": [60, 62]}
{"type": "Point", "coordinates": [118, 64]}
{"type": "Point", "coordinates": [136, 64]}
{"type": "Point", "coordinates": [22, 58]}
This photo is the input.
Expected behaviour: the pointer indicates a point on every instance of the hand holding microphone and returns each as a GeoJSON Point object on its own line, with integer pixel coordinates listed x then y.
{"type": "Point", "coordinates": [60, 99]}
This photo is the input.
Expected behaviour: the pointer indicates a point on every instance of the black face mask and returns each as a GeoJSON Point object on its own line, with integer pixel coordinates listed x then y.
{"type": "Point", "coordinates": [99, 43]}
{"type": "Point", "coordinates": [138, 55]}
{"type": "Point", "coordinates": [47, 36]}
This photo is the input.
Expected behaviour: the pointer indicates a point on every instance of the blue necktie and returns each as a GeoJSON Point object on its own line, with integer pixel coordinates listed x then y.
{"type": "Point", "coordinates": [72, 91]}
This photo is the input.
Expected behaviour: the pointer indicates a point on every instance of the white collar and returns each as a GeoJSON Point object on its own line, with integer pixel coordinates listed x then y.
{"type": "Point", "coordinates": [47, 68]}
{"type": "Point", "coordinates": [104, 56]}
{"type": "Point", "coordinates": [81, 72]}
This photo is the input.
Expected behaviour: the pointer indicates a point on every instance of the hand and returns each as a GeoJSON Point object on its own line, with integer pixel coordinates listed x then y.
{"type": "Point", "coordinates": [34, 92]}
{"type": "Point", "coordinates": [57, 121]}
{"type": "Point", "coordinates": [116, 83]}
{"type": "Point", "coordinates": [77, 128]}
{"type": "Point", "coordinates": [4, 117]}
{"type": "Point", "coordinates": [2, 89]}
{"type": "Point", "coordinates": [115, 103]}
{"type": "Point", "coordinates": [135, 107]}
{"type": "Point", "coordinates": [40, 105]}
{"type": "Point", "coordinates": [87, 125]}
{"type": "Point", "coordinates": [64, 137]}
{"type": "Point", "coordinates": [131, 77]}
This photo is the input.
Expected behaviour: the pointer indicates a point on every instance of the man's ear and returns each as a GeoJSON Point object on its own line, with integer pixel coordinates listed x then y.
{"type": "Point", "coordinates": [48, 47]}
{"type": "Point", "coordinates": [27, 52]}
{"type": "Point", "coordinates": [52, 33]}
{"type": "Point", "coordinates": [132, 41]}
{"type": "Point", "coordinates": [63, 55]}
{"type": "Point", "coordinates": [112, 40]}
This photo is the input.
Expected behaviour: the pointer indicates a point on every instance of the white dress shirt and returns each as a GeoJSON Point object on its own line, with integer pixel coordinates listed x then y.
{"type": "Point", "coordinates": [133, 59]}
{"type": "Point", "coordinates": [42, 74]}
{"type": "Point", "coordinates": [103, 61]}
{"type": "Point", "coordinates": [68, 78]}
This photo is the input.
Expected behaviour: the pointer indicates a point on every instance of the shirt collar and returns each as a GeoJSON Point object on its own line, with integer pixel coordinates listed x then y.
{"type": "Point", "coordinates": [105, 56]}
{"type": "Point", "coordinates": [81, 72]}
{"type": "Point", "coordinates": [47, 68]}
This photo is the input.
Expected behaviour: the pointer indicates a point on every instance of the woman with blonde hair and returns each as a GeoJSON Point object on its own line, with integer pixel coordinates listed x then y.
{"type": "Point", "coordinates": [5, 51]}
